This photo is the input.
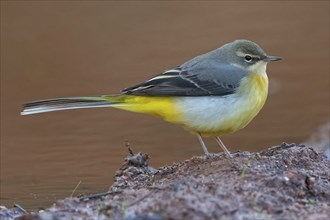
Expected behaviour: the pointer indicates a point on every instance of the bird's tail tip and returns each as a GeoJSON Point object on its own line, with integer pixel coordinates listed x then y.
{"type": "Point", "coordinates": [59, 104]}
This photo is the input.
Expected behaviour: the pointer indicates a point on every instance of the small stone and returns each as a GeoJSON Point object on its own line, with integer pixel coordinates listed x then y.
{"type": "Point", "coordinates": [301, 194]}
{"type": "Point", "coordinates": [309, 182]}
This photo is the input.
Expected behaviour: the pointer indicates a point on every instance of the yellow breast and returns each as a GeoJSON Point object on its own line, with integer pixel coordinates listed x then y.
{"type": "Point", "coordinates": [255, 86]}
{"type": "Point", "coordinates": [252, 95]}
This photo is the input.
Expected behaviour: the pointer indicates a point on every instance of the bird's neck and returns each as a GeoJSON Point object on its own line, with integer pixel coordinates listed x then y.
{"type": "Point", "coordinates": [254, 86]}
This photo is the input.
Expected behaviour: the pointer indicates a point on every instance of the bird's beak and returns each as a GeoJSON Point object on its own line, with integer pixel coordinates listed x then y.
{"type": "Point", "coordinates": [272, 58]}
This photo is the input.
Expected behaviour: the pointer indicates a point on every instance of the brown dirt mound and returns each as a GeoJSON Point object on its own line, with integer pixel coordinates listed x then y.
{"type": "Point", "coordinates": [283, 182]}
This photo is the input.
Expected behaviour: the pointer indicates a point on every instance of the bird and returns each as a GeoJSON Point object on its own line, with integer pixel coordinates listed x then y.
{"type": "Point", "coordinates": [211, 95]}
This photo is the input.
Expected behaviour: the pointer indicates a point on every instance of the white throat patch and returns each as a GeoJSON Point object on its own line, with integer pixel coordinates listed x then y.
{"type": "Point", "coordinates": [258, 68]}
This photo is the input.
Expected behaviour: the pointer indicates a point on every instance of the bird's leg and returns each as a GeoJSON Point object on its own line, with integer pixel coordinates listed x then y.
{"type": "Point", "coordinates": [223, 147]}
{"type": "Point", "coordinates": [203, 144]}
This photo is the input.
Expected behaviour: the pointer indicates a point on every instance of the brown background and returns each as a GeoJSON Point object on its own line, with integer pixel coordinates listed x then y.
{"type": "Point", "coordinates": [76, 48]}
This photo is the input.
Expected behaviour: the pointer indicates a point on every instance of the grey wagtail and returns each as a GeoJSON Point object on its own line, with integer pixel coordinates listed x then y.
{"type": "Point", "coordinates": [211, 95]}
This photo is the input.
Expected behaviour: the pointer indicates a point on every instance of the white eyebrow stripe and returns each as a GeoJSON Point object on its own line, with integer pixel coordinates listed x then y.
{"type": "Point", "coordinates": [241, 54]}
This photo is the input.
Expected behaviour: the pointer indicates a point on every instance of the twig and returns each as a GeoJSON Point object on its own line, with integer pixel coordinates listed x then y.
{"type": "Point", "coordinates": [241, 177]}
{"type": "Point", "coordinates": [128, 145]}
{"type": "Point", "coordinates": [20, 208]}
{"type": "Point", "coordinates": [74, 190]}
{"type": "Point", "coordinates": [144, 197]}
{"type": "Point", "coordinates": [97, 195]}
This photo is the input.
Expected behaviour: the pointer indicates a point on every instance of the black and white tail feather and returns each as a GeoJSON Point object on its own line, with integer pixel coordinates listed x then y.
{"type": "Point", "coordinates": [59, 104]}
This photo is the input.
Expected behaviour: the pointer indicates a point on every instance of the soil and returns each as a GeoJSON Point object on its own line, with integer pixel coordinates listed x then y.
{"type": "Point", "coordinates": [282, 182]}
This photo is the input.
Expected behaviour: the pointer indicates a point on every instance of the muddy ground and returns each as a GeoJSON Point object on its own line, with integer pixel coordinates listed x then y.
{"type": "Point", "coordinates": [282, 182]}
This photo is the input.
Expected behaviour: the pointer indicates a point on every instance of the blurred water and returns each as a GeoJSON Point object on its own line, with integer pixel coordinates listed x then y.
{"type": "Point", "coordinates": [59, 49]}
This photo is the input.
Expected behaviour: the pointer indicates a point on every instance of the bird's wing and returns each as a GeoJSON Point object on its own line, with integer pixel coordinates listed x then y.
{"type": "Point", "coordinates": [199, 80]}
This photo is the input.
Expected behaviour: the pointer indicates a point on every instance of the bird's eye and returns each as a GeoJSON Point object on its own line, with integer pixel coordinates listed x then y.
{"type": "Point", "coordinates": [248, 58]}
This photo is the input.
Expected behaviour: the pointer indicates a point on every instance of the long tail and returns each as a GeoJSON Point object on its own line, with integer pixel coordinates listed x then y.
{"type": "Point", "coordinates": [59, 104]}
